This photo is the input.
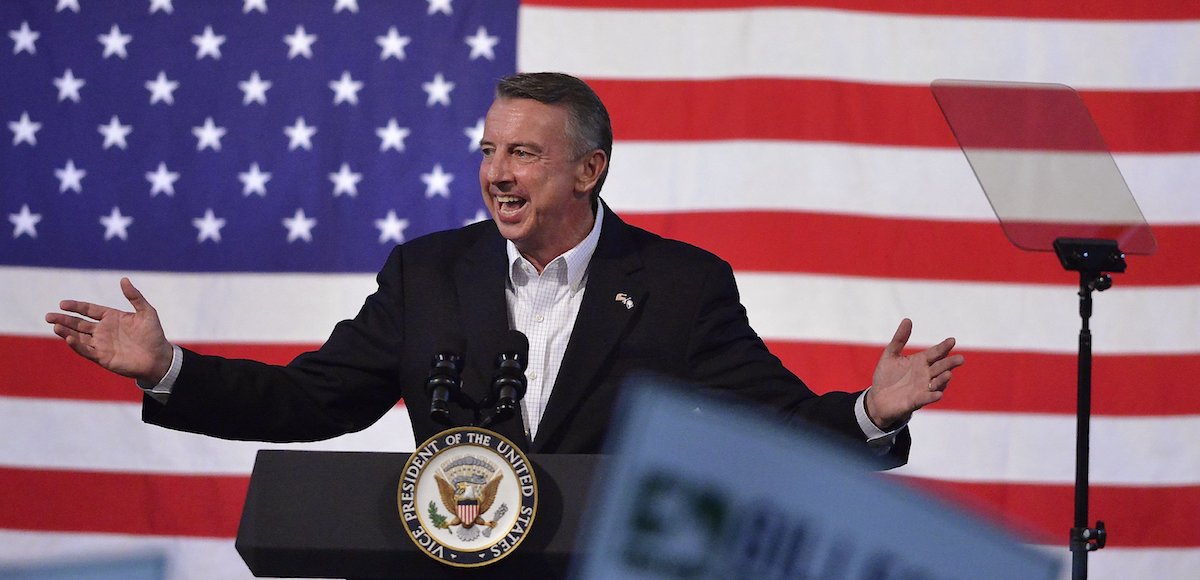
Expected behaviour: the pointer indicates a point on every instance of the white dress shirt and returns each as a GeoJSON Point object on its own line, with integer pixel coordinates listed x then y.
{"type": "Point", "coordinates": [543, 307]}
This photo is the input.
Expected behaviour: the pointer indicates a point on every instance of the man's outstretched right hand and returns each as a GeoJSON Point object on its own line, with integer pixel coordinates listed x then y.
{"type": "Point", "coordinates": [131, 344]}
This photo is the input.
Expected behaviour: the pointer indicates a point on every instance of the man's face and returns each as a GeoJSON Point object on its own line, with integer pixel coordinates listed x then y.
{"type": "Point", "coordinates": [534, 187]}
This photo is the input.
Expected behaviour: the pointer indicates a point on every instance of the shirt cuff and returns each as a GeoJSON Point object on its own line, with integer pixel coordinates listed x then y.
{"type": "Point", "coordinates": [879, 440]}
{"type": "Point", "coordinates": [162, 391]}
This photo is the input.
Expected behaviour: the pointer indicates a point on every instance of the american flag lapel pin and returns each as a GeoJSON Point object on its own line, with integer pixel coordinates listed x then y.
{"type": "Point", "coordinates": [624, 298]}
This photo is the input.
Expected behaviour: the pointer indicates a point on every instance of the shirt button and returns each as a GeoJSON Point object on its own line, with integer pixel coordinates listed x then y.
{"type": "Point", "coordinates": [540, 318]}
{"type": "Point", "coordinates": [533, 376]}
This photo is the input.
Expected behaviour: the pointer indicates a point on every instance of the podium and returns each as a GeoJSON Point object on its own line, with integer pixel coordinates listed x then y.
{"type": "Point", "coordinates": [334, 515]}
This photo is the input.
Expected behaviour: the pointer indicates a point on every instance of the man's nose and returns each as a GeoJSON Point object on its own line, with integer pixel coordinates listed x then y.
{"type": "Point", "coordinates": [499, 170]}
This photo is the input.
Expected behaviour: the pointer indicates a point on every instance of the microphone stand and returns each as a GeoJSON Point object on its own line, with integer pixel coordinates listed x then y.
{"type": "Point", "coordinates": [508, 386]}
{"type": "Point", "coordinates": [444, 384]}
{"type": "Point", "coordinates": [1093, 259]}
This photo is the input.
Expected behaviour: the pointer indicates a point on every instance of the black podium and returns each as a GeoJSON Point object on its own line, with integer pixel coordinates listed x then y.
{"type": "Point", "coordinates": [334, 515]}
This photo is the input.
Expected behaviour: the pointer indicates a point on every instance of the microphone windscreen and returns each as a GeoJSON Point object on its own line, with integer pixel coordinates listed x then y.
{"type": "Point", "coordinates": [514, 341]}
{"type": "Point", "coordinates": [449, 343]}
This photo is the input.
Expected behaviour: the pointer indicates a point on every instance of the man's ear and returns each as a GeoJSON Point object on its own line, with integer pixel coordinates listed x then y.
{"type": "Point", "coordinates": [589, 170]}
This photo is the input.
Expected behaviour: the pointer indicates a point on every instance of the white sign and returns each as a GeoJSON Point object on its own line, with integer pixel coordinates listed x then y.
{"type": "Point", "coordinates": [697, 489]}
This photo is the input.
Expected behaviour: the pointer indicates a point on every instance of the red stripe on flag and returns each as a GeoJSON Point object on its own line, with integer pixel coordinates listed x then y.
{"type": "Point", "coordinates": [1131, 237]}
{"type": "Point", "coordinates": [824, 110]}
{"type": "Point", "coordinates": [210, 506]}
{"type": "Point", "coordinates": [1022, 382]}
{"type": "Point", "coordinates": [122, 503]}
{"type": "Point", "coordinates": [1136, 517]}
{"type": "Point", "coordinates": [1096, 10]}
{"type": "Point", "coordinates": [902, 248]}
{"type": "Point", "coordinates": [990, 116]}
{"type": "Point", "coordinates": [1019, 382]}
{"type": "Point", "coordinates": [48, 368]}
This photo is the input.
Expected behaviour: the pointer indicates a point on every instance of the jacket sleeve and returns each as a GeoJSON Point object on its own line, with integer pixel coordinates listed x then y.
{"type": "Point", "coordinates": [726, 357]}
{"type": "Point", "coordinates": [345, 386]}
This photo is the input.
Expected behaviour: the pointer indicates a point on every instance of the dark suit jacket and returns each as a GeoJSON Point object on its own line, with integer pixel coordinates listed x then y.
{"type": "Point", "coordinates": [687, 323]}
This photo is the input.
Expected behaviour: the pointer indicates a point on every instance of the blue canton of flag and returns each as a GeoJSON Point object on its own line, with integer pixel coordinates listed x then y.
{"type": "Point", "coordinates": [242, 135]}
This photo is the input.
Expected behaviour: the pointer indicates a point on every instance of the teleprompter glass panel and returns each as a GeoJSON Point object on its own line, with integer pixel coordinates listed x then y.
{"type": "Point", "coordinates": [1042, 163]}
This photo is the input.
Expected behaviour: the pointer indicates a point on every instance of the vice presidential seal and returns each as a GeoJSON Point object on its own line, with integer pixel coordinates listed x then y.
{"type": "Point", "coordinates": [467, 497]}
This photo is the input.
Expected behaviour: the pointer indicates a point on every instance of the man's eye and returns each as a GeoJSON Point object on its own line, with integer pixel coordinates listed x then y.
{"type": "Point", "coordinates": [487, 151]}
{"type": "Point", "coordinates": [522, 154]}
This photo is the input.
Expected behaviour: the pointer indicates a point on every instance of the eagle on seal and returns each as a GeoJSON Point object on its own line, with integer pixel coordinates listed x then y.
{"type": "Point", "coordinates": [468, 501]}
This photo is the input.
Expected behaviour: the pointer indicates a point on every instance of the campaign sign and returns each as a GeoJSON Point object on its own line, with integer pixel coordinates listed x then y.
{"type": "Point", "coordinates": [697, 489]}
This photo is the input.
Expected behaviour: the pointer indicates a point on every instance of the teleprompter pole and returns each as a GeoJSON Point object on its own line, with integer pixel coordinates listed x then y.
{"type": "Point", "coordinates": [1092, 259]}
{"type": "Point", "coordinates": [1083, 538]}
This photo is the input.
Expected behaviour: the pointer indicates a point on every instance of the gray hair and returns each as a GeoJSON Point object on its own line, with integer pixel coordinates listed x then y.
{"type": "Point", "coordinates": [588, 124]}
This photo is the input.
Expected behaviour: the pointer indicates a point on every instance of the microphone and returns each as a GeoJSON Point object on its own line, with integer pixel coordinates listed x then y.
{"type": "Point", "coordinates": [445, 378]}
{"type": "Point", "coordinates": [508, 384]}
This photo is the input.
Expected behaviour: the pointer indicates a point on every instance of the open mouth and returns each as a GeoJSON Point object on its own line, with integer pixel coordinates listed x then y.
{"type": "Point", "coordinates": [509, 204]}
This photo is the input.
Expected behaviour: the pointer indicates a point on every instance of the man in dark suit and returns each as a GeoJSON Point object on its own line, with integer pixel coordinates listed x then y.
{"type": "Point", "coordinates": [599, 299]}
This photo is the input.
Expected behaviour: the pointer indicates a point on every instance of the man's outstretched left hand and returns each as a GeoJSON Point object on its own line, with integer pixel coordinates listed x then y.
{"type": "Point", "coordinates": [902, 384]}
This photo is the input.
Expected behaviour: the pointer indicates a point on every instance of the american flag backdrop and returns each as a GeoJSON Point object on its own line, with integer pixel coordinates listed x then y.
{"type": "Point", "coordinates": [250, 163]}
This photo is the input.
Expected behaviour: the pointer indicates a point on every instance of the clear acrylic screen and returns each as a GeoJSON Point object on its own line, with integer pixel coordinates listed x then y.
{"type": "Point", "coordinates": [1042, 164]}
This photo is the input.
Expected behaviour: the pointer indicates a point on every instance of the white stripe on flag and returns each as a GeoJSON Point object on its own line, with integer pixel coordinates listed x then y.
{"type": "Point", "coordinates": [835, 44]}
{"type": "Point", "coordinates": [103, 436]}
{"type": "Point", "coordinates": [1029, 448]}
{"type": "Point", "coordinates": [268, 308]}
{"type": "Point", "coordinates": [897, 182]}
{"type": "Point", "coordinates": [804, 307]}
{"type": "Point", "coordinates": [1026, 317]}
{"type": "Point", "coordinates": [187, 558]}
{"type": "Point", "coordinates": [1116, 563]}
{"type": "Point", "coordinates": [206, 559]}
{"type": "Point", "coordinates": [954, 446]}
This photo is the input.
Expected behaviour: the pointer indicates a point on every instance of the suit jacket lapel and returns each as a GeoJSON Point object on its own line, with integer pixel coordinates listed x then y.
{"type": "Point", "coordinates": [615, 269]}
{"type": "Point", "coordinates": [480, 278]}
